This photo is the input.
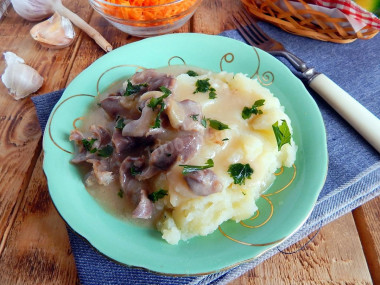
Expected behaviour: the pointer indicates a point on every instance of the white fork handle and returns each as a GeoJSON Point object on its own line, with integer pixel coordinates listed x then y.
{"type": "Point", "coordinates": [362, 120]}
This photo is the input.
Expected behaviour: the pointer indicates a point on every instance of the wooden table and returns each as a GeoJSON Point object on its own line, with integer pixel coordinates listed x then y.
{"type": "Point", "coordinates": [34, 246]}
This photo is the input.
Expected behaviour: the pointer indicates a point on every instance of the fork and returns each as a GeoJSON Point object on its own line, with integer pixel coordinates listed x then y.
{"type": "Point", "coordinates": [361, 119]}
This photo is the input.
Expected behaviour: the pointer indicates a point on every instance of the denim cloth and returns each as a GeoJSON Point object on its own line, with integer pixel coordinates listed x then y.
{"type": "Point", "coordinates": [354, 166]}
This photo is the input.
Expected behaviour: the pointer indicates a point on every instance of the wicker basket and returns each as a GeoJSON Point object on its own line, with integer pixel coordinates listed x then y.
{"type": "Point", "coordinates": [306, 21]}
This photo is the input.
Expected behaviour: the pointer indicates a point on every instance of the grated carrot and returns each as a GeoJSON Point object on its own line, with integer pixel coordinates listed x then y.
{"type": "Point", "coordinates": [153, 16]}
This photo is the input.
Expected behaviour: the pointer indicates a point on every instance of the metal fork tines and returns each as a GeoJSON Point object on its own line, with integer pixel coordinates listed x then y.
{"type": "Point", "coordinates": [255, 36]}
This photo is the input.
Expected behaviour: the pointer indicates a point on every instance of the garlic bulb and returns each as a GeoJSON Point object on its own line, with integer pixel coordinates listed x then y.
{"type": "Point", "coordinates": [35, 10]}
{"type": "Point", "coordinates": [19, 78]}
{"type": "Point", "coordinates": [55, 32]}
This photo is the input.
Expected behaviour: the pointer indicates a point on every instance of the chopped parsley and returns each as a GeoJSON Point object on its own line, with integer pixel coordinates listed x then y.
{"type": "Point", "coordinates": [120, 193]}
{"type": "Point", "coordinates": [203, 86]}
{"type": "Point", "coordinates": [217, 125]}
{"type": "Point", "coordinates": [87, 144]}
{"type": "Point", "coordinates": [155, 102]}
{"type": "Point", "coordinates": [282, 133]}
{"type": "Point", "coordinates": [192, 73]}
{"type": "Point", "coordinates": [239, 172]}
{"type": "Point", "coordinates": [191, 168]}
{"type": "Point", "coordinates": [248, 111]}
{"type": "Point", "coordinates": [119, 123]}
{"type": "Point", "coordinates": [159, 102]}
{"type": "Point", "coordinates": [212, 94]}
{"type": "Point", "coordinates": [225, 139]}
{"type": "Point", "coordinates": [166, 91]}
{"type": "Point", "coordinates": [194, 117]}
{"type": "Point", "coordinates": [105, 151]}
{"type": "Point", "coordinates": [157, 121]}
{"type": "Point", "coordinates": [155, 196]}
{"type": "Point", "coordinates": [133, 89]}
{"type": "Point", "coordinates": [134, 171]}
{"type": "Point", "coordinates": [204, 122]}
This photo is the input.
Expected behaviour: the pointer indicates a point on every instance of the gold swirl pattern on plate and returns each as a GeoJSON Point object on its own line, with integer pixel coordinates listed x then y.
{"type": "Point", "coordinates": [257, 213]}
{"type": "Point", "coordinates": [256, 216]}
{"type": "Point", "coordinates": [247, 243]}
{"type": "Point", "coordinates": [52, 117]}
{"type": "Point", "coordinates": [280, 172]}
{"type": "Point", "coordinates": [225, 58]}
{"type": "Point", "coordinates": [267, 77]}
{"type": "Point", "coordinates": [138, 68]}
{"type": "Point", "coordinates": [287, 185]}
{"type": "Point", "coordinates": [75, 122]}
{"type": "Point", "coordinates": [176, 57]}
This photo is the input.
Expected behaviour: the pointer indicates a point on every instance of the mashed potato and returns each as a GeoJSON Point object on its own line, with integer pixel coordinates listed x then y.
{"type": "Point", "coordinates": [249, 141]}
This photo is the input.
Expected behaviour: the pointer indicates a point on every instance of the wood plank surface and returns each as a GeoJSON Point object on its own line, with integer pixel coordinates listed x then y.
{"type": "Point", "coordinates": [335, 256]}
{"type": "Point", "coordinates": [34, 247]}
{"type": "Point", "coordinates": [213, 17]}
{"type": "Point", "coordinates": [38, 249]}
{"type": "Point", "coordinates": [367, 219]}
{"type": "Point", "coordinates": [19, 129]}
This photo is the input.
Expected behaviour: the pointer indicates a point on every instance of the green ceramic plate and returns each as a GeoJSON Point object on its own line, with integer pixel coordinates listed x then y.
{"type": "Point", "coordinates": [282, 209]}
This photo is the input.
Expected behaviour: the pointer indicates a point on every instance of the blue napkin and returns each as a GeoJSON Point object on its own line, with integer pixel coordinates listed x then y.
{"type": "Point", "coordinates": [354, 165]}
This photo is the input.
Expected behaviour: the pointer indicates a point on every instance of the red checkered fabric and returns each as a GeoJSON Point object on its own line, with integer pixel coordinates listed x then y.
{"type": "Point", "coordinates": [349, 7]}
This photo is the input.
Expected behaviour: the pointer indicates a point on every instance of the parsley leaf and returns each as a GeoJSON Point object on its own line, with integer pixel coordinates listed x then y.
{"type": "Point", "coordinates": [204, 122]}
{"type": "Point", "coordinates": [239, 172]}
{"type": "Point", "coordinates": [225, 139]}
{"type": "Point", "coordinates": [282, 133]}
{"type": "Point", "coordinates": [157, 121]}
{"type": "Point", "coordinates": [105, 151]}
{"type": "Point", "coordinates": [194, 117]}
{"type": "Point", "coordinates": [212, 94]}
{"type": "Point", "coordinates": [248, 111]}
{"type": "Point", "coordinates": [166, 91]}
{"type": "Point", "coordinates": [87, 144]}
{"type": "Point", "coordinates": [155, 196]}
{"type": "Point", "coordinates": [203, 86]}
{"type": "Point", "coordinates": [119, 123]}
{"type": "Point", "coordinates": [192, 73]}
{"type": "Point", "coordinates": [217, 125]}
{"type": "Point", "coordinates": [134, 171]}
{"type": "Point", "coordinates": [120, 193]}
{"type": "Point", "coordinates": [132, 89]}
{"type": "Point", "coordinates": [191, 168]}
{"type": "Point", "coordinates": [155, 102]}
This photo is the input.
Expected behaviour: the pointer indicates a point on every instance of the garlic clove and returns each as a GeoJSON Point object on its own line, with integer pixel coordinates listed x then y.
{"type": "Point", "coordinates": [55, 32]}
{"type": "Point", "coordinates": [20, 79]}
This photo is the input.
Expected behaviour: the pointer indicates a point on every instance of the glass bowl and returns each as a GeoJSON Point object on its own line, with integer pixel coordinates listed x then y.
{"type": "Point", "coordinates": [146, 21]}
